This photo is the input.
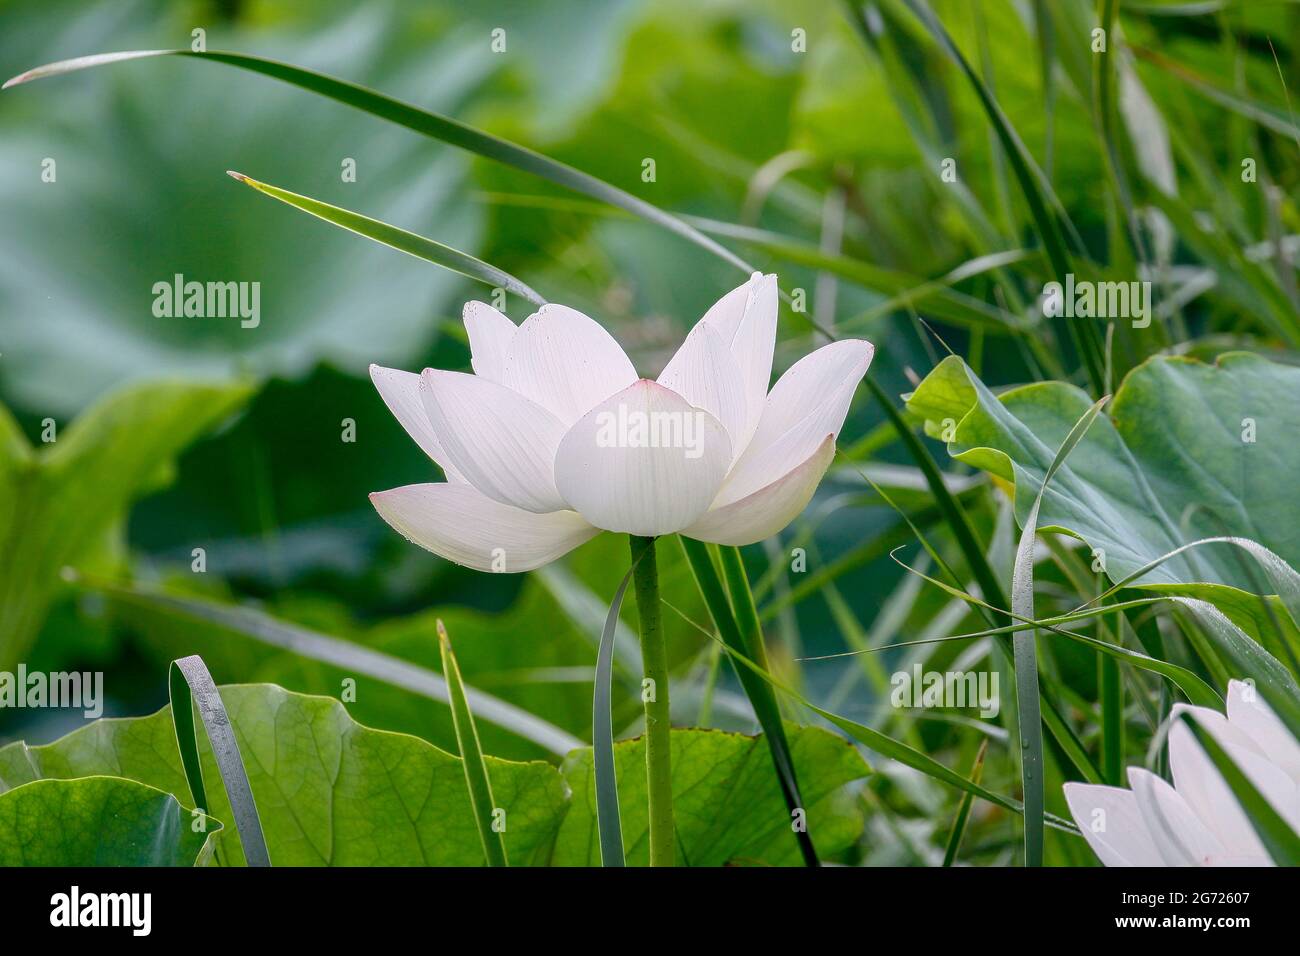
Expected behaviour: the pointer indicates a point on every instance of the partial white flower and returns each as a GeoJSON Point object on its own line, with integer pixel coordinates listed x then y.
{"type": "Point", "coordinates": [555, 438]}
{"type": "Point", "coordinates": [1197, 821]}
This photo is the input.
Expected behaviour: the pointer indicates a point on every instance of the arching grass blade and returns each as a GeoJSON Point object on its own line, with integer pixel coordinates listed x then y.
{"type": "Point", "coordinates": [751, 634]}
{"type": "Point", "coordinates": [963, 810]}
{"type": "Point", "coordinates": [1197, 691]}
{"type": "Point", "coordinates": [188, 680]}
{"type": "Point", "coordinates": [955, 516]}
{"type": "Point", "coordinates": [1026, 654]}
{"type": "Point", "coordinates": [352, 657]}
{"type": "Point", "coordinates": [427, 123]}
{"type": "Point", "coordinates": [887, 746]}
{"type": "Point", "coordinates": [608, 822]}
{"type": "Point", "coordinates": [399, 239]}
{"type": "Point", "coordinates": [471, 757]}
{"type": "Point", "coordinates": [760, 694]}
{"type": "Point", "coordinates": [1044, 206]}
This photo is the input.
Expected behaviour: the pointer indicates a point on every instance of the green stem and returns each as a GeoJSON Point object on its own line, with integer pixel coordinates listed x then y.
{"type": "Point", "coordinates": [654, 660]}
{"type": "Point", "coordinates": [1112, 720]}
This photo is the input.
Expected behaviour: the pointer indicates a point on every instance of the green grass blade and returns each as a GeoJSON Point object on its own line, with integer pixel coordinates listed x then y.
{"type": "Point", "coordinates": [1266, 115]}
{"type": "Point", "coordinates": [889, 538]}
{"type": "Point", "coordinates": [1070, 744]}
{"type": "Point", "coordinates": [424, 122]}
{"type": "Point", "coordinates": [925, 109]}
{"type": "Point", "coordinates": [955, 516]}
{"type": "Point", "coordinates": [760, 693]}
{"type": "Point", "coordinates": [1247, 283]}
{"type": "Point", "coordinates": [1031, 180]}
{"type": "Point", "coordinates": [887, 746]}
{"type": "Point", "coordinates": [1283, 578]}
{"type": "Point", "coordinates": [471, 757]}
{"type": "Point", "coordinates": [181, 697]}
{"type": "Point", "coordinates": [1047, 76]}
{"type": "Point", "coordinates": [751, 634]}
{"type": "Point", "coordinates": [1026, 654]}
{"type": "Point", "coordinates": [399, 239]}
{"type": "Point", "coordinates": [963, 810]}
{"type": "Point", "coordinates": [608, 822]}
{"type": "Point", "coordinates": [1282, 843]}
{"type": "Point", "coordinates": [1239, 655]}
{"type": "Point", "coordinates": [1197, 691]}
{"type": "Point", "coordinates": [1045, 209]}
{"type": "Point", "coordinates": [1112, 720]}
{"type": "Point", "coordinates": [905, 289]}
{"type": "Point", "coordinates": [189, 679]}
{"type": "Point", "coordinates": [908, 756]}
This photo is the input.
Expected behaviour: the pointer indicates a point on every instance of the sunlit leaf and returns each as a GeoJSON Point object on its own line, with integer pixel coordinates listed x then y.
{"type": "Point", "coordinates": [100, 821]}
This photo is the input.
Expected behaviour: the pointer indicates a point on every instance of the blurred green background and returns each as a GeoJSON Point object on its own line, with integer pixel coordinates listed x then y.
{"type": "Point", "coordinates": [832, 144]}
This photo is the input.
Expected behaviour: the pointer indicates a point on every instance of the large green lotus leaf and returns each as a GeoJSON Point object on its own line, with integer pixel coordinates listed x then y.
{"type": "Point", "coordinates": [1186, 451]}
{"type": "Point", "coordinates": [58, 502]}
{"type": "Point", "coordinates": [727, 803]}
{"type": "Point", "coordinates": [140, 194]}
{"type": "Point", "coordinates": [99, 821]}
{"type": "Point", "coordinates": [329, 791]}
{"type": "Point", "coordinates": [556, 71]}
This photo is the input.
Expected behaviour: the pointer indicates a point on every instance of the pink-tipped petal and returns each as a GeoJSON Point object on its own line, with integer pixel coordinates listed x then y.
{"type": "Point", "coordinates": [765, 512]}
{"type": "Point", "coordinates": [809, 402]}
{"type": "Point", "coordinates": [460, 524]}
{"type": "Point", "coordinates": [644, 461]}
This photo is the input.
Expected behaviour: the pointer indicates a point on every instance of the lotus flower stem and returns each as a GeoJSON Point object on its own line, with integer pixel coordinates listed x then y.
{"type": "Point", "coordinates": [654, 660]}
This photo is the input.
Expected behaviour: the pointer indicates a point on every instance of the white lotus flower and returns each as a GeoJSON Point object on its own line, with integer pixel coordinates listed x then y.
{"type": "Point", "coordinates": [555, 438]}
{"type": "Point", "coordinates": [1197, 821]}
